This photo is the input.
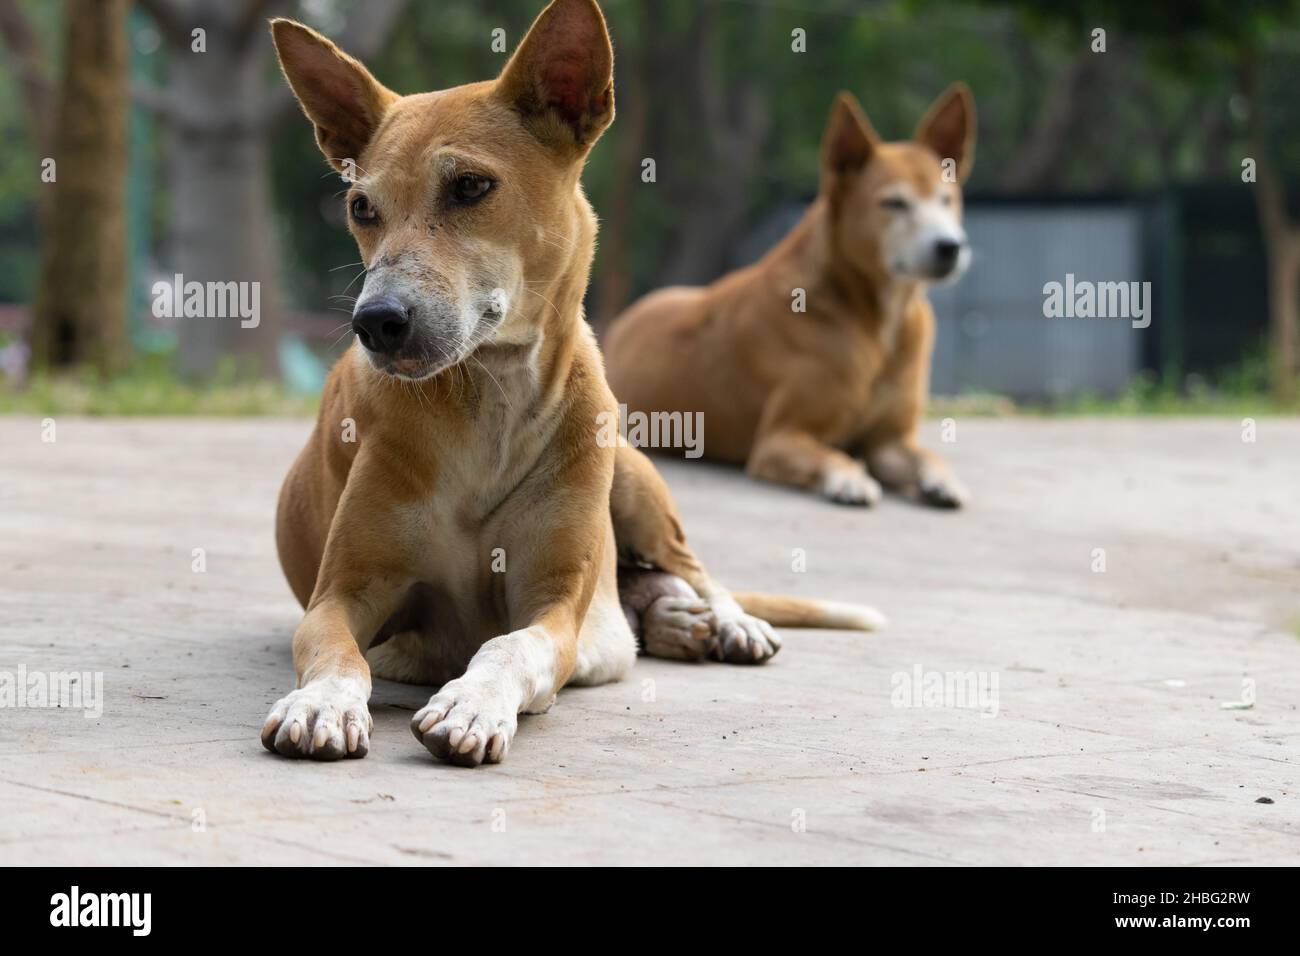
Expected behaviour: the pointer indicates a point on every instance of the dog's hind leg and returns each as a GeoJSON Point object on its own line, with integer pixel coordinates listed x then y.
{"type": "Point", "coordinates": [649, 532]}
{"type": "Point", "coordinates": [666, 614]}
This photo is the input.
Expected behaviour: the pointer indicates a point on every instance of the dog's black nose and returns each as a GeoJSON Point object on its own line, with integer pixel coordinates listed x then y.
{"type": "Point", "coordinates": [946, 252]}
{"type": "Point", "coordinates": [382, 325]}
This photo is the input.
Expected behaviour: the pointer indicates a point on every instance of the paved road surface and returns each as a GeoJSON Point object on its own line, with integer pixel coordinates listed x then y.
{"type": "Point", "coordinates": [1093, 732]}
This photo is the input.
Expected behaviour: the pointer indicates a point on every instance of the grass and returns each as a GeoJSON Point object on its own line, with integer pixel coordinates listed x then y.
{"type": "Point", "coordinates": [1240, 391]}
{"type": "Point", "coordinates": [150, 388]}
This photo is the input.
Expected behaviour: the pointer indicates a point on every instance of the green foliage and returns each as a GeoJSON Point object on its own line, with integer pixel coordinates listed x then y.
{"type": "Point", "coordinates": [1184, 24]}
{"type": "Point", "coordinates": [1163, 112]}
{"type": "Point", "coordinates": [20, 167]}
{"type": "Point", "coordinates": [150, 387]}
{"type": "Point", "coordinates": [1241, 389]}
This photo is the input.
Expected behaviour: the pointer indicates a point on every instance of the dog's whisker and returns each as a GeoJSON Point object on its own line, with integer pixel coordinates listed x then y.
{"type": "Point", "coordinates": [505, 398]}
{"type": "Point", "coordinates": [342, 331]}
{"type": "Point", "coordinates": [354, 279]}
{"type": "Point", "coordinates": [544, 299]}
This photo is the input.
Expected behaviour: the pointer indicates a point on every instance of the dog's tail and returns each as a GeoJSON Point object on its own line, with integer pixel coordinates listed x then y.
{"type": "Point", "coordinates": [782, 610]}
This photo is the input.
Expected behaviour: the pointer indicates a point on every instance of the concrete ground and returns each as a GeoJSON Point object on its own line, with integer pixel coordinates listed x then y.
{"type": "Point", "coordinates": [1103, 739]}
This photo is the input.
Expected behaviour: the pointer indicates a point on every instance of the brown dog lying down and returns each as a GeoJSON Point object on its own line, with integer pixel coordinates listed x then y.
{"type": "Point", "coordinates": [817, 358]}
{"type": "Point", "coordinates": [454, 519]}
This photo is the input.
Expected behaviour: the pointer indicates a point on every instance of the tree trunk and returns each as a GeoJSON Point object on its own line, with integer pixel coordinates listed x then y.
{"type": "Point", "coordinates": [221, 227]}
{"type": "Point", "coordinates": [1281, 240]}
{"type": "Point", "coordinates": [735, 126]}
{"type": "Point", "coordinates": [614, 279]}
{"type": "Point", "coordinates": [1284, 312]}
{"type": "Point", "coordinates": [219, 113]}
{"type": "Point", "coordinates": [80, 302]}
{"type": "Point", "coordinates": [1038, 160]}
{"type": "Point", "coordinates": [29, 69]}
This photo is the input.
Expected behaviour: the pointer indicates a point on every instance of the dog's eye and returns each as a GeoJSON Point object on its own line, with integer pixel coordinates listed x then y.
{"type": "Point", "coordinates": [895, 204]}
{"type": "Point", "coordinates": [362, 211]}
{"type": "Point", "coordinates": [945, 199]}
{"type": "Point", "coordinates": [470, 188]}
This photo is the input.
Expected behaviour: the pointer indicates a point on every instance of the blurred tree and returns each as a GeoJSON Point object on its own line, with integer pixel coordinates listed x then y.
{"type": "Point", "coordinates": [1048, 138]}
{"type": "Point", "coordinates": [29, 37]}
{"type": "Point", "coordinates": [80, 310]}
{"type": "Point", "coordinates": [729, 99]}
{"type": "Point", "coordinates": [221, 102]}
{"type": "Point", "coordinates": [30, 67]}
{"type": "Point", "coordinates": [730, 119]}
{"type": "Point", "coordinates": [1223, 46]}
{"type": "Point", "coordinates": [634, 76]}
{"type": "Point", "coordinates": [1281, 231]}
{"type": "Point", "coordinates": [716, 93]}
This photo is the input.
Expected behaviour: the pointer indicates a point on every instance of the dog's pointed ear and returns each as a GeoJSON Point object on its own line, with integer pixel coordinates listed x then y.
{"type": "Point", "coordinates": [338, 94]}
{"type": "Point", "coordinates": [849, 139]}
{"type": "Point", "coordinates": [948, 128]}
{"type": "Point", "coordinates": [561, 78]}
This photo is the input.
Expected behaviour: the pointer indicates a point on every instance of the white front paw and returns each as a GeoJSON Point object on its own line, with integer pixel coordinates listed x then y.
{"type": "Point", "coordinates": [943, 491]}
{"type": "Point", "coordinates": [466, 724]}
{"type": "Point", "coordinates": [850, 485]}
{"type": "Point", "coordinates": [325, 720]}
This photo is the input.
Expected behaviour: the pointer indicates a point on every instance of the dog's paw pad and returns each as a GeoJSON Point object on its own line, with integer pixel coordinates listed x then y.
{"type": "Point", "coordinates": [745, 639]}
{"type": "Point", "coordinates": [465, 726]}
{"type": "Point", "coordinates": [326, 720]}
{"type": "Point", "coordinates": [850, 486]}
{"type": "Point", "coordinates": [678, 627]}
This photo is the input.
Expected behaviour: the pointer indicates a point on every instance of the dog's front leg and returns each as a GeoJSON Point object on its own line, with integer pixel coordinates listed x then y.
{"type": "Point", "coordinates": [473, 718]}
{"type": "Point", "coordinates": [908, 467]}
{"type": "Point", "coordinates": [327, 716]}
{"type": "Point", "coordinates": [556, 565]}
{"type": "Point", "coordinates": [795, 445]}
{"type": "Point", "coordinates": [792, 457]}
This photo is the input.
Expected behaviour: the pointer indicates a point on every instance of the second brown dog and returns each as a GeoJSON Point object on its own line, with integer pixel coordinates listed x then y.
{"type": "Point", "coordinates": [816, 359]}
